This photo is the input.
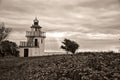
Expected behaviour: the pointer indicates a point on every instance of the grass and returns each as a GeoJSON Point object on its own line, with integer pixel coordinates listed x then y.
{"type": "Point", "coordinates": [82, 66]}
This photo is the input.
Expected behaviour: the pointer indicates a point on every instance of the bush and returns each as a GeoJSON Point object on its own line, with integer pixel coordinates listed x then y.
{"type": "Point", "coordinates": [8, 48]}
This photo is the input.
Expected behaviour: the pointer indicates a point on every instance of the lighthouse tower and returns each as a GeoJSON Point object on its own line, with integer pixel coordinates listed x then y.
{"type": "Point", "coordinates": [35, 44]}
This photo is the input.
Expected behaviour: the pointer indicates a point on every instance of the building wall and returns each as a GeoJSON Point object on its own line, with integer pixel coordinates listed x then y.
{"type": "Point", "coordinates": [32, 52]}
{"type": "Point", "coordinates": [41, 43]}
{"type": "Point", "coordinates": [21, 50]}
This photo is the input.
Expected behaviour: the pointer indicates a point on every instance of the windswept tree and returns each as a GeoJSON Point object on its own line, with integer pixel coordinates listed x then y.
{"type": "Point", "coordinates": [4, 32]}
{"type": "Point", "coordinates": [69, 46]}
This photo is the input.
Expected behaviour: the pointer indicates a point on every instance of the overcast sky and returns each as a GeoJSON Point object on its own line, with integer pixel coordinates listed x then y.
{"type": "Point", "coordinates": [94, 24]}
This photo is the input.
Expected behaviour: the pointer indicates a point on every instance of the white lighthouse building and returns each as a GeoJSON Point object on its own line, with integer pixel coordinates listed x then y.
{"type": "Point", "coordinates": [35, 44]}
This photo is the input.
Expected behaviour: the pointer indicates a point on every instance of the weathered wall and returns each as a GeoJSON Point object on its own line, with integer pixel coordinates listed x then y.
{"type": "Point", "coordinates": [34, 51]}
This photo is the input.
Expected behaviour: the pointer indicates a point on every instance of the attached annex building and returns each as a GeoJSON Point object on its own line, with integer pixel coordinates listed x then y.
{"type": "Point", "coordinates": [35, 44]}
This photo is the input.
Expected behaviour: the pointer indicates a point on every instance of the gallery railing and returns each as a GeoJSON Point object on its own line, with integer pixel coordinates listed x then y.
{"type": "Point", "coordinates": [35, 34]}
{"type": "Point", "coordinates": [28, 44]}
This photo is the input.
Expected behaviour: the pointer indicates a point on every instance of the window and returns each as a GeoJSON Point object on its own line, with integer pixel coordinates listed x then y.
{"type": "Point", "coordinates": [35, 29]}
{"type": "Point", "coordinates": [36, 42]}
{"type": "Point", "coordinates": [41, 41]}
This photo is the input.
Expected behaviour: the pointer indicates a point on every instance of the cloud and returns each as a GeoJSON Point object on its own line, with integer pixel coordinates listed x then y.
{"type": "Point", "coordinates": [78, 19]}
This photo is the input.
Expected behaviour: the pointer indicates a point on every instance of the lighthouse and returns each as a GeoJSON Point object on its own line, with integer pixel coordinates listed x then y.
{"type": "Point", "coordinates": [35, 44]}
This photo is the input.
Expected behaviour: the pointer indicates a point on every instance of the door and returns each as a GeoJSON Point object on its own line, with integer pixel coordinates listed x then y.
{"type": "Point", "coordinates": [26, 51]}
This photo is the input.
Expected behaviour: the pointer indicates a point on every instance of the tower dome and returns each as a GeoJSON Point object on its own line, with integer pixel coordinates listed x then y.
{"type": "Point", "coordinates": [36, 21]}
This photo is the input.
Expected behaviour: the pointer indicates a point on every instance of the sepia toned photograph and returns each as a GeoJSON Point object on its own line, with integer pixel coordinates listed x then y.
{"type": "Point", "coordinates": [59, 39]}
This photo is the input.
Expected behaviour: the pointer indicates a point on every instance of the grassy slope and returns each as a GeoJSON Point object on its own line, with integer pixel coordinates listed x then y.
{"type": "Point", "coordinates": [62, 67]}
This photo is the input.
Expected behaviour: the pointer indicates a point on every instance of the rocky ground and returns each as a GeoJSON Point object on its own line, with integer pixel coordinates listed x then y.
{"type": "Point", "coordinates": [82, 66]}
